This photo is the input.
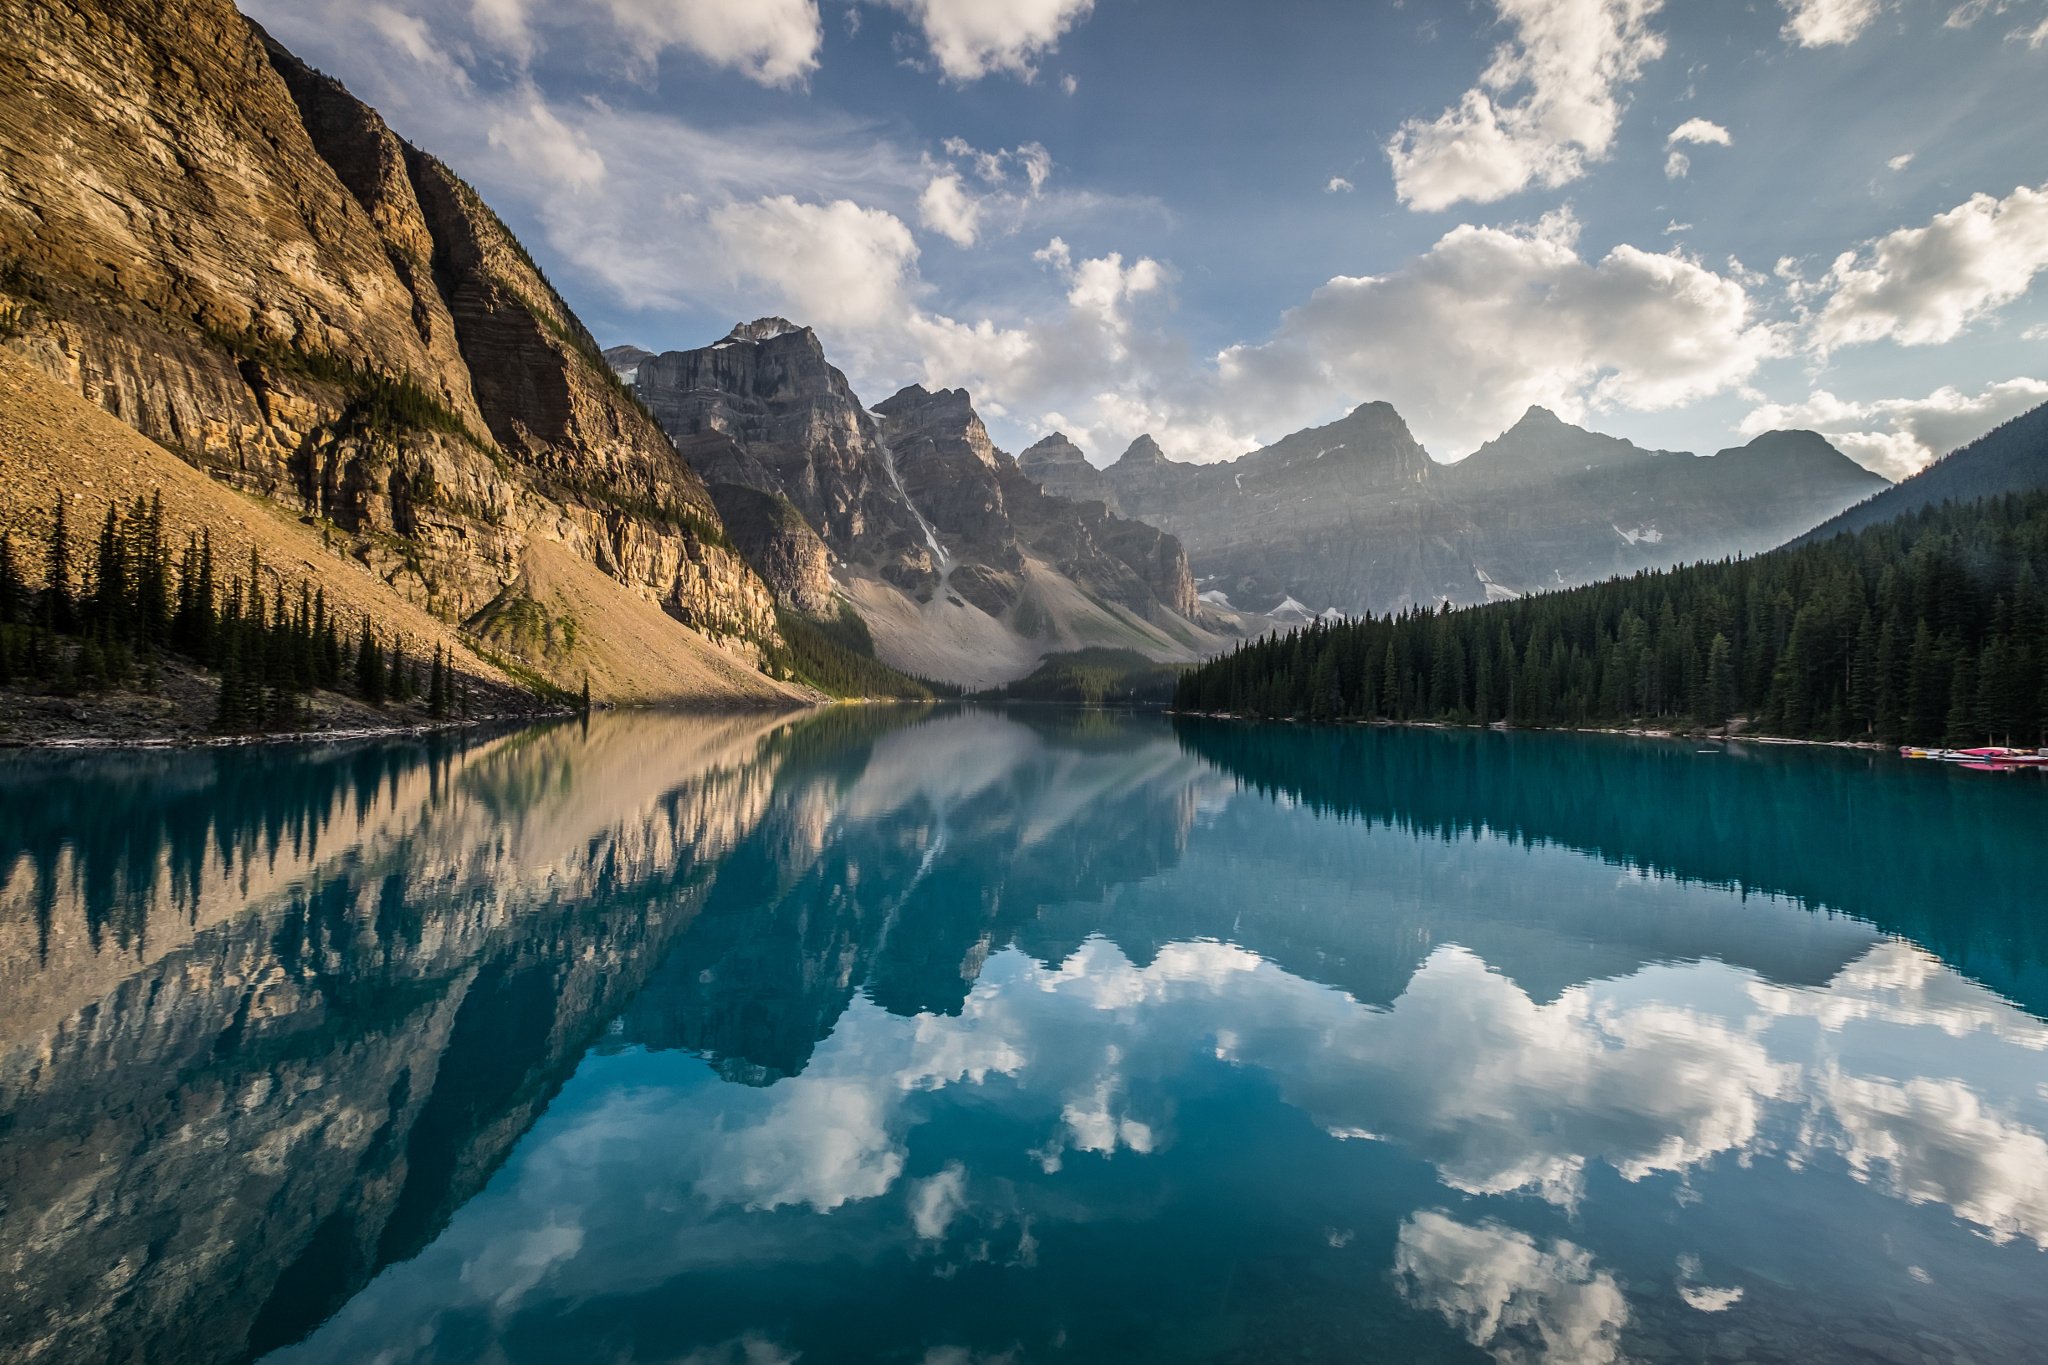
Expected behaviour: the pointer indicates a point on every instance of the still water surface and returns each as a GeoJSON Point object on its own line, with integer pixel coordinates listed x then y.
{"type": "Point", "coordinates": [961, 1037]}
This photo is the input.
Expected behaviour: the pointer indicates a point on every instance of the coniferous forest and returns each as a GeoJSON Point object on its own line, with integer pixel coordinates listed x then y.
{"type": "Point", "coordinates": [115, 604]}
{"type": "Point", "coordinates": [1931, 628]}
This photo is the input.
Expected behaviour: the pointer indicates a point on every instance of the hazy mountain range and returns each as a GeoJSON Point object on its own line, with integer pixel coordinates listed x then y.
{"type": "Point", "coordinates": [1355, 516]}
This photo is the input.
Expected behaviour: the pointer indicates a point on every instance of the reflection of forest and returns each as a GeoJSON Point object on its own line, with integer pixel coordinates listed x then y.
{"type": "Point", "coordinates": [315, 998]}
{"type": "Point", "coordinates": [1952, 860]}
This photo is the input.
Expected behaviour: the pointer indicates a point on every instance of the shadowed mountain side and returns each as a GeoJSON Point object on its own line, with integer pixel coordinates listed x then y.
{"type": "Point", "coordinates": [2010, 458]}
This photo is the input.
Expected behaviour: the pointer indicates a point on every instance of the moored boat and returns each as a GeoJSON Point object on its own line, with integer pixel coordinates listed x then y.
{"type": "Point", "coordinates": [1988, 757]}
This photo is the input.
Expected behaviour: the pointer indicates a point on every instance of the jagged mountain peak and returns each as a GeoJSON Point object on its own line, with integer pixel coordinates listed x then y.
{"type": "Point", "coordinates": [626, 361]}
{"type": "Point", "coordinates": [1543, 446]}
{"type": "Point", "coordinates": [1143, 451]}
{"type": "Point", "coordinates": [765, 329]}
{"type": "Point", "coordinates": [1539, 418]}
{"type": "Point", "coordinates": [912, 397]}
{"type": "Point", "coordinates": [1056, 448]}
{"type": "Point", "coordinates": [1787, 443]}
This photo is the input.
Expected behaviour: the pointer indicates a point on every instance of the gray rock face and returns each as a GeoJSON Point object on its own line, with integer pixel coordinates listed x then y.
{"type": "Point", "coordinates": [913, 492]}
{"type": "Point", "coordinates": [625, 361]}
{"type": "Point", "coordinates": [950, 469]}
{"type": "Point", "coordinates": [1355, 515]}
{"type": "Point", "coordinates": [1344, 516]}
{"type": "Point", "coordinates": [794, 430]}
{"type": "Point", "coordinates": [1057, 465]}
{"type": "Point", "coordinates": [982, 501]}
{"type": "Point", "coordinates": [775, 538]}
{"type": "Point", "coordinates": [1551, 504]}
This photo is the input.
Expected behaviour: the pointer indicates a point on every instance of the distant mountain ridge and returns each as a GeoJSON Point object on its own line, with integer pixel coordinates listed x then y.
{"type": "Point", "coordinates": [963, 568]}
{"type": "Point", "coordinates": [1355, 516]}
{"type": "Point", "coordinates": [2010, 458]}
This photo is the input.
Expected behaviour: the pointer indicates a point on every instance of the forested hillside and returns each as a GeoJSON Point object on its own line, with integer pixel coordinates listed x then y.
{"type": "Point", "coordinates": [2010, 458]}
{"type": "Point", "coordinates": [1931, 628]}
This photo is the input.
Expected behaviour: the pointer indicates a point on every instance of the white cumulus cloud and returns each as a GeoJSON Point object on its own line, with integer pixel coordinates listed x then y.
{"type": "Point", "coordinates": [1700, 130]}
{"type": "Point", "coordinates": [1827, 23]}
{"type": "Point", "coordinates": [1493, 319]}
{"type": "Point", "coordinates": [774, 42]}
{"type": "Point", "coordinates": [1899, 437]}
{"type": "Point", "coordinates": [550, 149]}
{"type": "Point", "coordinates": [1547, 105]}
{"type": "Point", "coordinates": [947, 209]}
{"type": "Point", "coordinates": [1696, 131]}
{"type": "Point", "coordinates": [1014, 179]}
{"type": "Point", "coordinates": [970, 39]}
{"type": "Point", "coordinates": [1921, 285]}
{"type": "Point", "coordinates": [835, 265]}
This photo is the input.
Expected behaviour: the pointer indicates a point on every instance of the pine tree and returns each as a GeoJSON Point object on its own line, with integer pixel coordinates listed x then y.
{"type": "Point", "coordinates": [57, 606]}
{"type": "Point", "coordinates": [13, 592]}
{"type": "Point", "coordinates": [1718, 705]}
{"type": "Point", "coordinates": [1923, 627]}
{"type": "Point", "coordinates": [231, 713]}
{"type": "Point", "coordinates": [1961, 729]}
{"type": "Point", "coordinates": [437, 686]}
{"type": "Point", "coordinates": [369, 668]}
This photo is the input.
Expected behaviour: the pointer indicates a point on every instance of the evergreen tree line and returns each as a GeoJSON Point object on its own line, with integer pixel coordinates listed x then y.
{"type": "Point", "coordinates": [837, 656]}
{"type": "Point", "coordinates": [108, 612]}
{"type": "Point", "coordinates": [1932, 628]}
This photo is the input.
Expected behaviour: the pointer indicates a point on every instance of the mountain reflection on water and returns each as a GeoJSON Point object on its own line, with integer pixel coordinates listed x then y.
{"type": "Point", "coordinates": [969, 1036]}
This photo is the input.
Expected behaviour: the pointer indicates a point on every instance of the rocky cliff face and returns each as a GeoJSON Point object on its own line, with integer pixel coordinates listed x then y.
{"type": "Point", "coordinates": [795, 430]}
{"type": "Point", "coordinates": [980, 500]}
{"type": "Point", "coordinates": [1058, 466]}
{"type": "Point", "coordinates": [233, 255]}
{"type": "Point", "coordinates": [920, 511]}
{"type": "Point", "coordinates": [1355, 516]}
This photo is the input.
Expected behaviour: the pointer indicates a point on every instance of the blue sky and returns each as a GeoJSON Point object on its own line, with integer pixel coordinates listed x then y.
{"type": "Point", "coordinates": [1220, 222]}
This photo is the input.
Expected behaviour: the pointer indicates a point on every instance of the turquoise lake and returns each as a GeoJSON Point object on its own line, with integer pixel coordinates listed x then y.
{"type": "Point", "coordinates": [959, 1036]}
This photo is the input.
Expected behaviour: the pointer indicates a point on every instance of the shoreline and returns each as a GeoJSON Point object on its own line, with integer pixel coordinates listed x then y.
{"type": "Point", "coordinates": [1723, 737]}
{"type": "Point", "coordinates": [99, 744]}
{"type": "Point", "coordinates": [406, 729]}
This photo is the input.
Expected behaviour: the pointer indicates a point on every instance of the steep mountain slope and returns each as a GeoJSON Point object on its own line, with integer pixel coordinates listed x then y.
{"type": "Point", "coordinates": [963, 568]}
{"type": "Point", "coordinates": [2010, 458]}
{"type": "Point", "coordinates": [228, 252]}
{"type": "Point", "coordinates": [1355, 516]}
{"type": "Point", "coordinates": [51, 439]}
